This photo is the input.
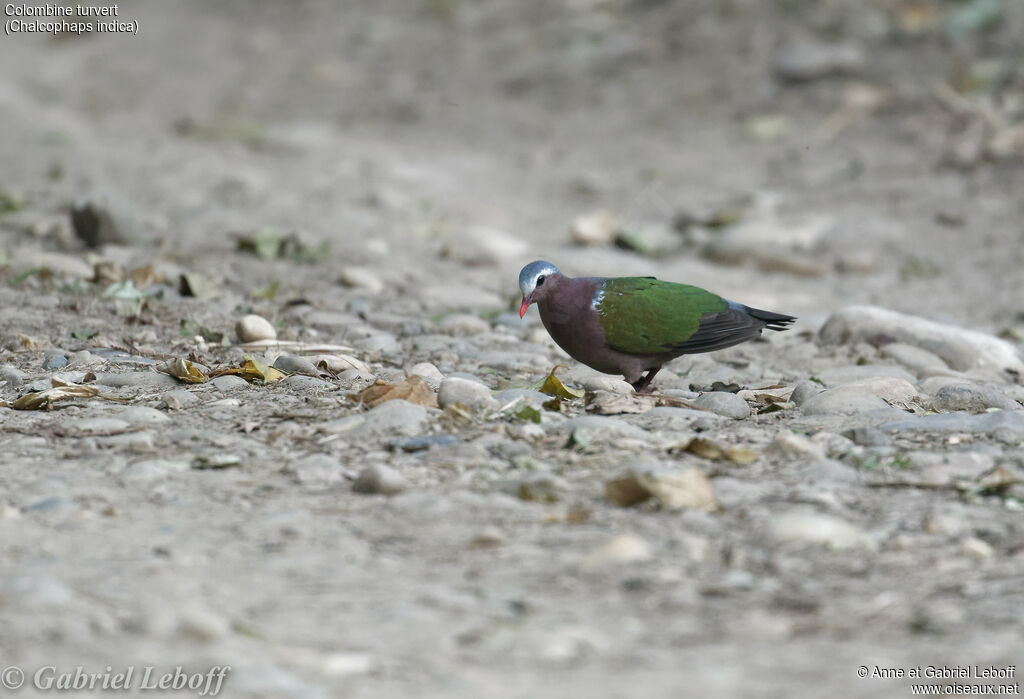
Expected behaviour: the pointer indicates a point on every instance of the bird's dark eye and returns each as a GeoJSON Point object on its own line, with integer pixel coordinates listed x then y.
{"type": "Point", "coordinates": [540, 280]}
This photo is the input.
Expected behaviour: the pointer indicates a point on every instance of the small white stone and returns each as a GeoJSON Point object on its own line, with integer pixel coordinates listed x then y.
{"type": "Point", "coordinates": [362, 278]}
{"type": "Point", "coordinates": [252, 327]}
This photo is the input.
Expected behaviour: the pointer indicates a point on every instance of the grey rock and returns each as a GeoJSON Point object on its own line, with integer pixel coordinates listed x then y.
{"type": "Point", "coordinates": [828, 471]}
{"type": "Point", "coordinates": [972, 398]}
{"type": "Point", "coordinates": [724, 404]}
{"type": "Point", "coordinates": [920, 361]}
{"type": "Point", "coordinates": [394, 417]}
{"type": "Point", "coordinates": [538, 486]}
{"type": "Point", "coordinates": [428, 372]}
{"type": "Point", "coordinates": [424, 442]}
{"type": "Point", "coordinates": [962, 349]}
{"type": "Point", "coordinates": [380, 479]}
{"type": "Point", "coordinates": [316, 469]}
{"type": "Point", "coordinates": [138, 379]}
{"type": "Point", "coordinates": [179, 399]}
{"type": "Point", "coordinates": [142, 415]}
{"type": "Point", "coordinates": [809, 527]}
{"type": "Point", "coordinates": [12, 375]}
{"type": "Point", "coordinates": [1003, 423]}
{"type": "Point", "coordinates": [55, 359]}
{"type": "Point", "coordinates": [154, 469]}
{"type": "Point", "coordinates": [308, 383]}
{"type": "Point", "coordinates": [811, 60]}
{"type": "Point", "coordinates": [383, 343]}
{"type": "Point", "coordinates": [96, 425]}
{"type": "Point", "coordinates": [463, 324]}
{"type": "Point", "coordinates": [867, 436]}
{"type": "Point", "coordinates": [290, 364]}
{"type": "Point", "coordinates": [845, 401]}
{"type": "Point", "coordinates": [472, 395]}
{"type": "Point", "coordinates": [842, 375]}
{"type": "Point", "coordinates": [805, 390]}
{"type": "Point", "coordinates": [228, 383]}
{"type": "Point", "coordinates": [85, 358]}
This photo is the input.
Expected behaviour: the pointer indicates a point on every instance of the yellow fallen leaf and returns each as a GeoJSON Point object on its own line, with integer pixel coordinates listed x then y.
{"type": "Point", "coordinates": [552, 386]}
{"type": "Point", "coordinates": [183, 370]}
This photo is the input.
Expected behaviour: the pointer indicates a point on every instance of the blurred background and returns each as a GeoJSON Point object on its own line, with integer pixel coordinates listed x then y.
{"type": "Point", "coordinates": [814, 153]}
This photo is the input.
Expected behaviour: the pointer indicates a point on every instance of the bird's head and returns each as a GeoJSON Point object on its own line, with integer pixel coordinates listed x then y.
{"type": "Point", "coordinates": [535, 281]}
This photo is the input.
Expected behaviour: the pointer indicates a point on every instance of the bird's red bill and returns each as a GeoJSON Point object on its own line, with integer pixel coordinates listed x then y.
{"type": "Point", "coordinates": [522, 309]}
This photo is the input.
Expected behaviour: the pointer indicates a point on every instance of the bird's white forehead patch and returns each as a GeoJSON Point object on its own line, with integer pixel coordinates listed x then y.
{"type": "Point", "coordinates": [532, 272]}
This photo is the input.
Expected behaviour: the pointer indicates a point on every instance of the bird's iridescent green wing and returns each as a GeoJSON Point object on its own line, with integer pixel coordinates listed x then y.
{"type": "Point", "coordinates": [643, 315]}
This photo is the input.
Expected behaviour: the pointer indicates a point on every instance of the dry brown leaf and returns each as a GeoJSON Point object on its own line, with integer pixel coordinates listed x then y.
{"type": "Point", "coordinates": [183, 370]}
{"type": "Point", "coordinates": [673, 489]}
{"type": "Point", "coordinates": [413, 389]}
{"type": "Point", "coordinates": [44, 400]}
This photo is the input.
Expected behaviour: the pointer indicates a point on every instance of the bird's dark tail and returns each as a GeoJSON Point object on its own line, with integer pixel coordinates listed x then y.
{"type": "Point", "coordinates": [773, 321]}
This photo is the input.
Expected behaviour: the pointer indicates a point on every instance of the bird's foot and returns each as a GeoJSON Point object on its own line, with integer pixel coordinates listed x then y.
{"type": "Point", "coordinates": [643, 384]}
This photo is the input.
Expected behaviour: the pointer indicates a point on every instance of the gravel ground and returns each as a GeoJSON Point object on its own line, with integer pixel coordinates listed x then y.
{"type": "Point", "coordinates": [363, 185]}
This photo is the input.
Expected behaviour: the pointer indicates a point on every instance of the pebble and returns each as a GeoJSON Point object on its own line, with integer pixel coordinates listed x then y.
{"type": "Point", "coordinates": [976, 548]}
{"type": "Point", "coordinates": [597, 228]}
{"type": "Point", "coordinates": [538, 487]}
{"type": "Point", "coordinates": [808, 527]}
{"type": "Point", "coordinates": [788, 444]}
{"type": "Point", "coordinates": [430, 373]}
{"type": "Point", "coordinates": [463, 324]}
{"type": "Point", "coordinates": [960, 348]}
{"type": "Point", "coordinates": [772, 242]}
{"type": "Point", "coordinates": [316, 469]}
{"type": "Point", "coordinates": [12, 375]}
{"type": "Point", "coordinates": [807, 59]}
{"type": "Point", "coordinates": [203, 625]}
{"type": "Point", "coordinates": [868, 437]}
{"type": "Point", "coordinates": [228, 382]}
{"type": "Point", "coordinates": [252, 327]}
{"type": "Point", "coordinates": [96, 425]}
{"type": "Point", "coordinates": [424, 442]}
{"type": "Point", "coordinates": [142, 415]}
{"type": "Point", "coordinates": [472, 395]}
{"type": "Point", "coordinates": [394, 417]}
{"type": "Point", "coordinates": [138, 379]}
{"type": "Point", "coordinates": [724, 404]}
{"type": "Point", "coordinates": [382, 343]}
{"type": "Point", "coordinates": [893, 390]}
{"type": "Point", "coordinates": [290, 364]}
{"type": "Point", "coordinates": [828, 471]}
{"type": "Point", "coordinates": [972, 398]}
{"type": "Point", "coordinates": [361, 278]}
{"type": "Point", "coordinates": [673, 489]}
{"type": "Point", "coordinates": [844, 401]}
{"type": "Point", "coordinates": [622, 548]}
{"type": "Point", "coordinates": [917, 359]}
{"type": "Point", "coordinates": [55, 359]}
{"type": "Point", "coordinates": [380, 479]}
{"type": "Point", "coordinates": [308, 383]}
{"type": "Point", "coordinates": [804, 390]}
{"type": "Point", "coordinates": [1008, 423]}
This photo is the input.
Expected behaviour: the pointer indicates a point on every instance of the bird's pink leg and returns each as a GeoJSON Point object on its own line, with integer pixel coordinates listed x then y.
{"type": "Point", "coordinates": [643, 385]}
